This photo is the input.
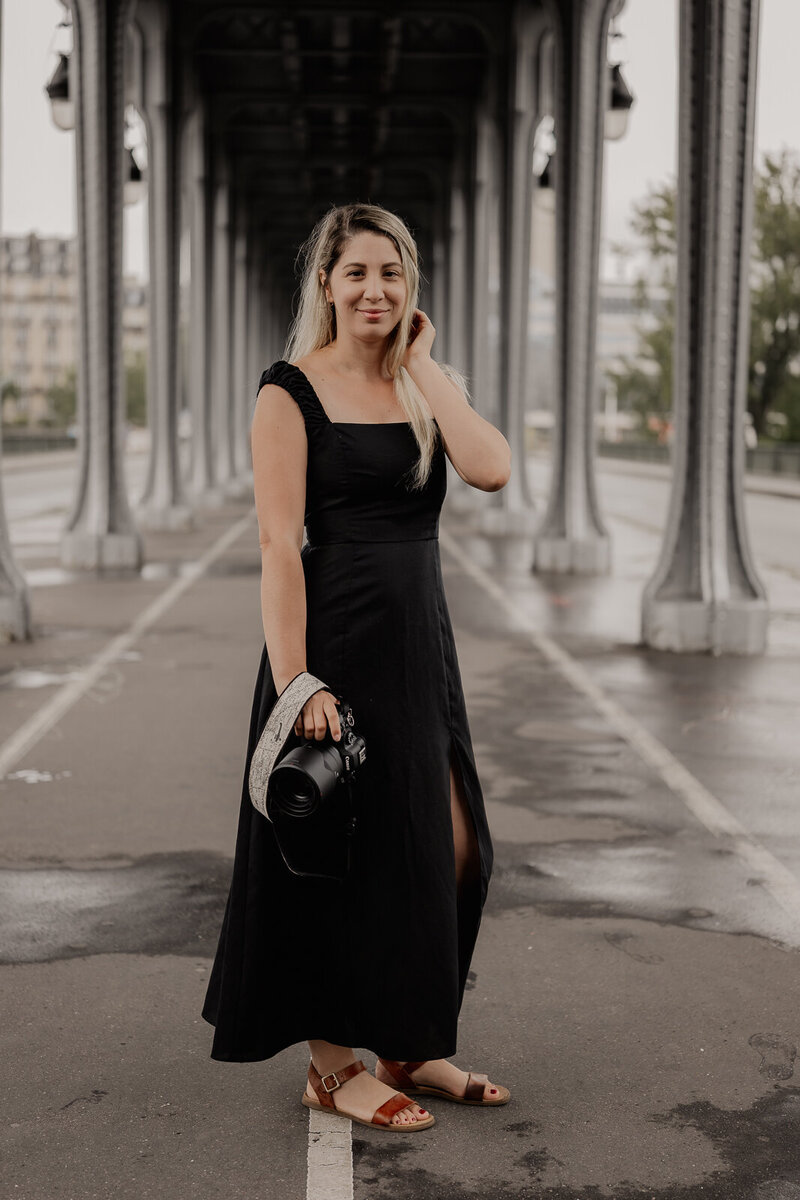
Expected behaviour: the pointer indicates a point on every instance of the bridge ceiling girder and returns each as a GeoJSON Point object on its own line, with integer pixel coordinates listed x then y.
{"type": "Point", "coordinates": [321, 103]}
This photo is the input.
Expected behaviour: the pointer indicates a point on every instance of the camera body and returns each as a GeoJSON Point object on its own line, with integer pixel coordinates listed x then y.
{"type": "Point", "coordinates": [310, 778]}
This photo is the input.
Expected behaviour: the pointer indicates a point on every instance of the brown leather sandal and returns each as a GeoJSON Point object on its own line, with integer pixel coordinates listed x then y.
{"type": "Point", "coordinates": [381, 1118]}
{"type": "Point", "coordinates": [473, 1094]}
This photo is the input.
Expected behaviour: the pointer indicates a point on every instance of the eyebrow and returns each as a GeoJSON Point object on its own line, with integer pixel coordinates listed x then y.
{"type": "Point", "coordinates": [385, 265]}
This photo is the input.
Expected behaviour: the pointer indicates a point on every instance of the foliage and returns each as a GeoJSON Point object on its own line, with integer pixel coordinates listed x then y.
{"type": "Point", "coordinates": [62, 399]}
{"type": "Point", "coordinates": [644, 381]}
{"type": "Point", "coordinates": [136, 388]}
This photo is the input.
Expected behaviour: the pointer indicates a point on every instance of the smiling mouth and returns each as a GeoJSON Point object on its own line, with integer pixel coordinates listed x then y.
{"type": "Point", "coordinates": [373, 312]}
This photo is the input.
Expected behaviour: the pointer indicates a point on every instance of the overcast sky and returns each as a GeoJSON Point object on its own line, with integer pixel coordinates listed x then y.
{"type": "Point", "coordinates": [38, 178]}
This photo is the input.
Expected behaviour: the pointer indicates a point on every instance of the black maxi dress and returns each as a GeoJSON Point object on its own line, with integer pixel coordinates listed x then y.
{"type": "Point", "coordinates": [380, 960]}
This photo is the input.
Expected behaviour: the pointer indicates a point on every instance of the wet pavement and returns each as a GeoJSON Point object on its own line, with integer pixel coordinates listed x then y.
{"type": "Point", "coordinates": [635, 982]}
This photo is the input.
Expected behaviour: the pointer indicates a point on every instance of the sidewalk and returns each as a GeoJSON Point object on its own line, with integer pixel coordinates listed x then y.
{"type": "Point", "coordinates": [636, 978]}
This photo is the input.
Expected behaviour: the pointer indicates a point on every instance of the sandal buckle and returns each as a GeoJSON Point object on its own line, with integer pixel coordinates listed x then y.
{"type": "Point", "coordinates": [332, 1075]}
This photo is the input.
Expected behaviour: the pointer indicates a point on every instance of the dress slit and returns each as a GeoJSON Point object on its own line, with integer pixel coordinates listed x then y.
{"type": "Point", "coordinates": [469, 895]}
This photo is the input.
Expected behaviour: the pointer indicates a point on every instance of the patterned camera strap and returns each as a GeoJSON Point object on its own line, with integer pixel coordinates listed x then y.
{"type": "Point", "coordinates": [276, 732]}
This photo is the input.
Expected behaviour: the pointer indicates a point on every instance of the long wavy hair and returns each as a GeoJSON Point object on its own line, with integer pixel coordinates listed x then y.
{"type": "Point", "coordinates": [314, 326]}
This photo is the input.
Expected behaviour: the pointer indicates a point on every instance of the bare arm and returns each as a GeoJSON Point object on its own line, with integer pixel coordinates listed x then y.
{"type": "Point", "coordinates": [279, 449]}
{"type": "Point", "coordinates": [478, 451]}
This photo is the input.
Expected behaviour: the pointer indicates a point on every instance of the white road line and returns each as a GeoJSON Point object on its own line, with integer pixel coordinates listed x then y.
{"type": "Point", "coordinates": [330, 1157]}
{"type": "Point", "coordinates": [782, 884]}
{"type": "Point", "coordinates": [62, 701]}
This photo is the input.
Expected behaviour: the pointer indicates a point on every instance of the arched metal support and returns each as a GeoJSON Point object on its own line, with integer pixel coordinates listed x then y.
{"type": "Point", "coordinates": [100, 531]}
{"type": "Point", "coordinates": [163, 504]}
{"type": "Point", "coordinates": [572, 537]}
{"type": "Point", "coordinates": [705, 593]}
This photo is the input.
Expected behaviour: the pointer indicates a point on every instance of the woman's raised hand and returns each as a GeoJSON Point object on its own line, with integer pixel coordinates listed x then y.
{"type": "Point", "coordinates": [420, 339]}
{"type": "Point", "coordinates": [319, 712]}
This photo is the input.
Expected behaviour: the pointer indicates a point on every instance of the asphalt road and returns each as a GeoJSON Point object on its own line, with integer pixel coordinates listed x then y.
{"type": "Point", "coordinates": [635, 982]}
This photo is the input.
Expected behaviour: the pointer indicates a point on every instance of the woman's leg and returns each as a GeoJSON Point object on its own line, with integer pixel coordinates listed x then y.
{"type": "Point", "coordinates": [468, 863]}
{"type": "Point", "coordinates": [439, 1072]}
{"type": "Point", "coordinates": [362, 1093]}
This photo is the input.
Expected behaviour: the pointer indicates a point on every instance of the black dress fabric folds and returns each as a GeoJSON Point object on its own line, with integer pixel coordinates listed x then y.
{"type": "Point", "coordinates": [380, 960]}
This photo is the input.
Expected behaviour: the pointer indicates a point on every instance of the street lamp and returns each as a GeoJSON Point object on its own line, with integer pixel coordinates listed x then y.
{"type": "Point", "coordinates": [134, 187]}
{"type": "Point", "coordinates": [58, 91]}
{"type": "Point", "coordinates": [618, 110]}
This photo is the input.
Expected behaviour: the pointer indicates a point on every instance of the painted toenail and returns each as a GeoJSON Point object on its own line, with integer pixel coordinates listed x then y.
{"type": "Point", "coordinates": [493, 1089]}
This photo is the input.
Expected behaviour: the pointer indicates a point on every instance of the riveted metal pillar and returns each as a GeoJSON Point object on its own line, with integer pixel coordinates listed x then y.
{"type": "Point", "coordinates": [15, 606]}
{"type": "Point", "coordinates": [202, 479]}
{"type": "Point", "coordinates": [100, 531]}
{"type": "Point", "coordinates": [162, 504]}
{"type": "Point", "coordinates": [705, 593]}
{"type": "Point", "coordinates": [240, 382]}
{"type": "Point", "coordinates": [457, 290]}
{"type": "Point", "coordinates": [486, 197]}
{"type": "Point", "coordinates": [572, 537]}
{"type": "Point", "coordinates": [524, 112]}
{"type": "Point", "coordinates": [15, 611]}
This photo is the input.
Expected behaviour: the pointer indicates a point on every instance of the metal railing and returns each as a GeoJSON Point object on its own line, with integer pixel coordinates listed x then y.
{"type": "Point", "coordinates": [761, 460]}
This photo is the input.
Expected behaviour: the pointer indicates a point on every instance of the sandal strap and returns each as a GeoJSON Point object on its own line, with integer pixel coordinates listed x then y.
{"type": "Point", "coordinates": [384, 1114]}
{"type": "Point", "coordinates": [475, 1088]}
{"type": "Point", "coordinates": [402, 1075]}
{"type": "Point", "coordinates": [323, 1085]}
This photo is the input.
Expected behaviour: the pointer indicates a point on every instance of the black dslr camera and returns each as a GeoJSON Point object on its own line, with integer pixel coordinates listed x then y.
{"type": "Point", "coordinates": [310, 800]}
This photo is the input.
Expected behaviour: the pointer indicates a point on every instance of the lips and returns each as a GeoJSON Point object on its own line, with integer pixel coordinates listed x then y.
{"type": "Point", "coordinates": [373, 312]}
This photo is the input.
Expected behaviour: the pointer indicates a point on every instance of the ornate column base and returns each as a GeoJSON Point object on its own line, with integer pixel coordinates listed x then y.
{"type": "Point", "coordinates": [15, 616]}
{"type": "Point", "coordinates": [499, 522]}
{"type": "Point", "coordinates": [577, 556]}
{"type": "Point", "coordinates": [173, 517]}
{"type": "Point", "coordinates": [695, 626]}
{"type": "Point", "coordinates": [240, 488]}
{"type": "Point", "coordinates": [95, 551]}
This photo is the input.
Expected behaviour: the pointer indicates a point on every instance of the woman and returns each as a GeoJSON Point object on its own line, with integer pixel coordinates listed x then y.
{"type": "Point", "coordinates": [349, 437]}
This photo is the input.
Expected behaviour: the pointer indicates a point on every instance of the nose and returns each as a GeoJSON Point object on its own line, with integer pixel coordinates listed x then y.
{"type": "Point", "coordinates": [373, 287]}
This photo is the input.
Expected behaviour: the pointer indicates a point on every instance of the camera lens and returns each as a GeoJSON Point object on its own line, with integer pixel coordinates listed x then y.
{"type": "Point", "coordinates": [296, 794]}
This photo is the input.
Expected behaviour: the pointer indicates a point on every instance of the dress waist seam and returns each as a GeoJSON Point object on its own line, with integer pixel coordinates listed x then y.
{"type": "Point", "coordinates": [369, 541]}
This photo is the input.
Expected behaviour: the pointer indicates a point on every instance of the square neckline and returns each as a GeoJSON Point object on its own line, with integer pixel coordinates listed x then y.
{"type": "Point", "coordinates": [366, 424]}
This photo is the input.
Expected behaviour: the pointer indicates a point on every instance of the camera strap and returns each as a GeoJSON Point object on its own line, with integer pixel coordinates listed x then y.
{"type": "Point", "coordinates": [280, 723]}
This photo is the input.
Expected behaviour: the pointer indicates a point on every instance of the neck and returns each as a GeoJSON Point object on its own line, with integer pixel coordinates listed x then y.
{"type": "Point", "coordinates": [352, 356]}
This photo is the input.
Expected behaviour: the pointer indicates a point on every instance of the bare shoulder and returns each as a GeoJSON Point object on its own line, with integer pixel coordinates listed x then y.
{"type": "Point", "coordinates": [275, 408]}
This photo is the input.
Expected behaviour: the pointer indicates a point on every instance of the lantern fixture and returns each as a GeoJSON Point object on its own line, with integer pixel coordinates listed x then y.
{"type": "Point", "coordinates": [617, 113]}
{"type": "Point", "coordinates": [134, 187]}
{"type": "Point", "coordinates": [58, 91]}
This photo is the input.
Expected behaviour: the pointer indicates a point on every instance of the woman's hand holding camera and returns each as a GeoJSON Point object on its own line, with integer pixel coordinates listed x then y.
{"type": "Point", "coordinates": [319, 712]}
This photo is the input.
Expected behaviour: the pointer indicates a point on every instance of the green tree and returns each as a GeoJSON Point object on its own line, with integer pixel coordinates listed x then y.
{"type": "Point", "coordinates": [62, 399]}
{"type": "Point", "coordinates": [644, 381]}
{"type": "Point", "coordinates": [774, 377]}
{"type": "Point", "coordinates": [136, 388]}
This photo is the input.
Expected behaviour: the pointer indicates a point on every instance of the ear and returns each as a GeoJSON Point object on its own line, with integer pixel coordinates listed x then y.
{"type": "Point", "coordinates": [322, 278]}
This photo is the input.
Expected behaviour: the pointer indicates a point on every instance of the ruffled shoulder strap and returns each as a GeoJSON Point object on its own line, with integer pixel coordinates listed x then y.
{"type": "Point", "coordinates": [292, 379]}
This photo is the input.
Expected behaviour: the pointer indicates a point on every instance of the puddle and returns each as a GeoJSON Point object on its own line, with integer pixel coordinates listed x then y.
{"type": "Point", "coordinates": [30, 775]}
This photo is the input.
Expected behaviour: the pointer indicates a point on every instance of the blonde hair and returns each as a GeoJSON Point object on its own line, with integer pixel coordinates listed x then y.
{"type": "Point", "coordinates": [314, 326]}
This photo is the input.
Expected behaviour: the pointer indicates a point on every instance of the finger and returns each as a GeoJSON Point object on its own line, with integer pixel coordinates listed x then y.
{"type": "Point", "coordinates": [335, 724]}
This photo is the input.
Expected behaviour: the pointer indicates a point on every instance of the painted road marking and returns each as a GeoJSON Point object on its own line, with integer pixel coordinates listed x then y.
{"type": "Point", "coordinates": [42, 721]}
{"type": "Point", "coordinates": [781, 883]}
{"type": "Point", "coordinates": [330, 1157]}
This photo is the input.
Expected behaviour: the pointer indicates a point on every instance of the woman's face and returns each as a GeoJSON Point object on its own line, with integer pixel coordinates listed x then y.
{"type": "Point", "coordinates": [367, 287]}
